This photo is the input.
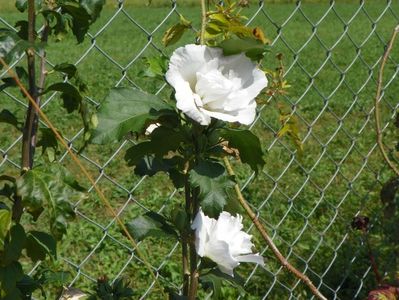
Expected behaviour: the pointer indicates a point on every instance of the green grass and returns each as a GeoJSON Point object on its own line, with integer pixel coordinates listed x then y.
{"type": "Point", "coordinates": [315, 198]}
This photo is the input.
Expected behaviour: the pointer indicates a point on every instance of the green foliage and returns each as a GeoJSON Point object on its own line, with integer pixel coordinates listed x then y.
{"type": "Point", "coordinates": [248, 146]}
{"type": "Point", "coordinates": [151, 224]}
{"type": "Point", "coordinates": [213, 184]}
{"type": "Point", "coordinates": [214, 278]}
{"type": "Point", "coordinates": [49, 143]}
{"type": "Point", "coordinates": [12, 46]}
{"type": "Point", "coordinates": [252, 48]}
{"type": "Point", "coordinates": [174, 33]}
{"type": "Point", "coordinates": [156, 67]}
{"type": "Point", "coordinates": [225, 29]}
{"type": "Point", "coordinates": [49, 188]}
{"type": "Point", "coordinates": [119, 290]}
{"type": "Point", "coordinates": [39, 244]}
{"type": "Point", "coordinates": [126, 110]}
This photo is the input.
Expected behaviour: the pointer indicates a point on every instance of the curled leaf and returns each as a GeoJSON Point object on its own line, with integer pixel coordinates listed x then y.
{"type": "Point", "coordinates": [174, 33]}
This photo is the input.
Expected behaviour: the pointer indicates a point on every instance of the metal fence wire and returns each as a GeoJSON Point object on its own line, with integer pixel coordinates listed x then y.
{"type": "Point", "coordinates": [332, 51]}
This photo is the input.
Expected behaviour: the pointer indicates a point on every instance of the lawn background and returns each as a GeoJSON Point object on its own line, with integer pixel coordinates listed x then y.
{"type": "Point", "coordinates": [307, 201]}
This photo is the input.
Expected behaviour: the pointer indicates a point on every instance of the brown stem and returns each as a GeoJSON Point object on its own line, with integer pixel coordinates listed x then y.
{"type": "Point", "coordinates": [29, 130]}
{"type": "Point", "coordinates": [373, 262]}
{"type": "Point", "coordinates": [378, 99]}
{"type": "Point", "coordinates": [193, 251]}
{"type": "Point", "coordinates": [185, 238]}
{"type": "Point", "coordinates": [262, 230]}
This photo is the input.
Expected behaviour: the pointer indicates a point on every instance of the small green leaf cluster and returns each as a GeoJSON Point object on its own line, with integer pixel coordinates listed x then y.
{"type": "Point", "coordinates": [44, 192]}
{"type": "Point", "coordinates": [118, 290]}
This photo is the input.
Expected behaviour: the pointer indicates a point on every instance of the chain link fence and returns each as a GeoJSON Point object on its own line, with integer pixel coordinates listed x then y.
{"type": "Point", "coordinates": [307, 200]}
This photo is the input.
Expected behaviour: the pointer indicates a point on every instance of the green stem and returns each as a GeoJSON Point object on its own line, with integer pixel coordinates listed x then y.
{"type": "Point", "coordinates": [203, 22]}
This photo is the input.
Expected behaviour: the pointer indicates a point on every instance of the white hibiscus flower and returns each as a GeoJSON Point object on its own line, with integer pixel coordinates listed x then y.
{"type": "Point", "coordinates": [223, 241]}
{"type": "Point", "coordinates": [211, 85]}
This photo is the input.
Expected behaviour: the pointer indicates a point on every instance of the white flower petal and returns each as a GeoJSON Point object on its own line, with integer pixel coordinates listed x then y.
{"type": "Point", "coordinates": [252, 258]}
{"type": "Point", "coordinates": [218, 251]}
{"type": "Point", "coordinates": [208, 84]}
{"type": "Point", "coordinates": [223, 241]}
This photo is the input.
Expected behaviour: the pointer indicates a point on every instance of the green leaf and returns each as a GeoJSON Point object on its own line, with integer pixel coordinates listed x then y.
{"type": "Point", "coordinates": [57, 22]}
{"type": "Point", "coordinates": [150, 224]}
{"type": "Point", "coordinates": [174, 33]}
{"type": "Point", "coordinates": [10, 274]}
{"type": "Point", "coordinates": [50, 187]}
{"type": "Point", "coordinates": [214, 279]}
{"type": "Point", "coordinates": [8, 117]}
{"type": "Point", "coordinates": [163, 140]}
{"type": "Point", "coordinates": [48, 142]}
{"type": "Point", "coordinates": [253, 48]}
{"type": "Point", "coordinates": [214, 282]}
{"type": "Point", "coordinates": [14, 244]}
{"type": "Point", "coordinates": [21, 5]}
{"type": "Point", "coordinates": [55, 278]}
{"type": "Point", "coordinates": [156, 66]}
{"type": "Point", "coordinates": [126, 110]}
{"type": "Point", "coordinates": [5, 223]}
{"type": "Point", "coordinates": [68, 69]}
{"type": "Point", "coordinates": [248, 145]}
{"type": "Point", "coordinates": [93, 7]}
{"type": "Point", "coordinates": [27, 285]}
{"type": "Point", "coordinates": [70, 95]}
{"type": "Point", "coordinates": [213, 184]}
{"type": "Point", "coordinates": [11, 46]}
{"type": "Point", "coordinates": [290, 127]}
{"type": "Point", "coordinates": [39, 244]}
{"type": "Point", "coordinates": [79, 22]}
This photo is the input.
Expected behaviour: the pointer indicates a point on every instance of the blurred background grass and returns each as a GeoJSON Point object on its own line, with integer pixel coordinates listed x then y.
{"type": "Point", "coordinates": [308, 202]}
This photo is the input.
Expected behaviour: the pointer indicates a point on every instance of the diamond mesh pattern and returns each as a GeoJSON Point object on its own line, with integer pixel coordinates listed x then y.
{"type": "Point", "coordinates": [332, 55]}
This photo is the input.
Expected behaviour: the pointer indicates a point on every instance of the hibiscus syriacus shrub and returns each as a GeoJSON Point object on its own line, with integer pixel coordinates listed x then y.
{"type": "Point", "coordinates": [214, 85]}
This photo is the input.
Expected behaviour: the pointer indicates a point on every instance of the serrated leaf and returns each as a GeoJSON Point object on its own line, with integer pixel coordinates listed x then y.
{"type": "Point", "coordinates": [174, 33]}
{"type": "Point", "coordinates": [248, 145]}
{"type": "Point", "coordinates": [39, 244]}
{"type": "Point", "coordinates": [49, 187]}
{"type": "Point", "coordinates": [126, 110]}
{"type": "Point", "coordinates": [150, 224]}
{"type": "Point", "coordinates": [213, 184]}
